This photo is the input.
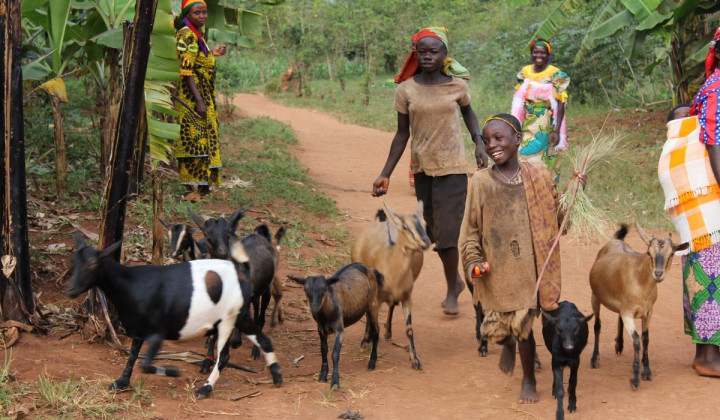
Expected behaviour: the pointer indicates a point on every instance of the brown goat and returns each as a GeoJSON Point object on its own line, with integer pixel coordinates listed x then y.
{"type": "Point", "coordinates": [625, 281]}
{"type": "Point", "coordinates": [395, 249]}
{"type": "Point", "coordinates": [339, 302]}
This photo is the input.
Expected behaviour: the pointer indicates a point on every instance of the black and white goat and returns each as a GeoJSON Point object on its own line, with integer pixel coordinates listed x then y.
{"type": "Point", "coordinates": [340, 301]}
{"type": "Point", "coordinates": [173, 302]}
{"type": "Point", "coordinates": [258, 245]}
{"type": "Point", "coordinates": [182, 243]}
{"type": "Point", "coordinates": [565, 332]}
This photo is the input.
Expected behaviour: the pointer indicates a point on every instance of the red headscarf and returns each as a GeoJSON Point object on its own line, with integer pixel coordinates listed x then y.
{"type": "Point", "coordinates": [710, 60]}
{"type": "Point", "coordinates": [410, 68]}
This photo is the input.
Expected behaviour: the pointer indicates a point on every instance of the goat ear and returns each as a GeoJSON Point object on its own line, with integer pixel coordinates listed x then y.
{"type": "Point", "coordinates": [235, 218]}
{"type": "Point", "coordinates": [547, 316]}
{"type": "Point", "coordinates": [585, 319]}
{"type": "Point", "coordinates": [332, 280]}
{"type": "Point", "coordinates": [682, 247]}
{"type": "Point", "coordinates": [164, 223]}
{"type": "Point", "coordinates": [298, 280]}
{"type": "Point", "coordinates": [109, 251]}
{"type": "Point", "coordinates": [645, 238]}
{"type": "Point", "coordinates": [79, 241]}
{"type": "Point", "coordinates": [280, 234]}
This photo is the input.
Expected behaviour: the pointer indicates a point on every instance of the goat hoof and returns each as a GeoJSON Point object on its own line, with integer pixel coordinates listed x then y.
{"type": "Point", "coordinates": [255, 353]}
{"type": "Point", "coordinates": [416, 365]}
{"type": "Point", "coordinates": [647, 376]}
{"type": "Point", "coordinates": [203, 392]}
{"type": "Point", "coordinates": [119, 384]}
{"type": "Point", "coordinates": [334, 387]}
{"type": "Point", "coordinates": [276, 374]}
{"type": "Point", "coordinates": [594, 364]}
{"type": "Point", "coordinates": [171, 371]}
{"type": "Point", "coordinates": [634, 383]}
{"type": "Point", "coordinates": [572, 408]}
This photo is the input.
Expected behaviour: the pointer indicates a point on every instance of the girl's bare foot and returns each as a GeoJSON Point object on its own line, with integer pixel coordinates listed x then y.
{"type": "Point", "coordinates": [528, 395]}
{"type": "Point", "coordinates": [507, 357]}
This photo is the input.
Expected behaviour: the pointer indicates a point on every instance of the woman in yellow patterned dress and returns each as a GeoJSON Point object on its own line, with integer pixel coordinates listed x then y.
{"type": "Point", "coordinates": [198, 150]}
{"type": "Point", "coordinates": [539, 104]}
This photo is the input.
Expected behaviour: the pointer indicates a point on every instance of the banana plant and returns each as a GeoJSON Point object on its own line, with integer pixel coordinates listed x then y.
{"type": "Point", "coordinates": [678, 23]}
{"type": "Point", "coordinates": [57, 40]}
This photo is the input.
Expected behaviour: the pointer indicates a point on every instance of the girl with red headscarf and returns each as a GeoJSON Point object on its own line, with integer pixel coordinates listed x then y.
{"type": "Point", "coordinates": [198, 149]}
{"type": "Point", "coordinates": [430, 98]}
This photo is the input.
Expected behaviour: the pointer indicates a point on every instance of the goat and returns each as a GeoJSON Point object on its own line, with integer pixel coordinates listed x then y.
{"type": "Point", "coordinates": [565, 332]}
{"type": "Point", "coordinates": [218, 232]}
{"type": "Point", "coordinates": [276, 287]}
{"type": "Point", "coordinates": [339, 302]}
{"type": "Point", "coordinates": [396, 250]}
{"type": "Point", "coordinates": [625, 281]}
{"type": "Point", "coordinates": [174, 302]}
{"type": "Point", "coordinates": [182, 243]}
{"type": "Point", "coordinates": [258, 246]}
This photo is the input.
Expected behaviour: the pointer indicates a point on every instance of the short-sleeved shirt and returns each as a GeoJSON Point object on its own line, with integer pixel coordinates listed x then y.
{"type": "Point", "coordinates": [436, 146]}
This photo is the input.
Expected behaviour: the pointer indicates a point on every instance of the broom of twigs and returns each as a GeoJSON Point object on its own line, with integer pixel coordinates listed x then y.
{"type": "Point", "coordinates": [586, 220]}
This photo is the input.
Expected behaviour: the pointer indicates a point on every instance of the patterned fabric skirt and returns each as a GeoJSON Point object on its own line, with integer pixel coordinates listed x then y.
{"type": "Point", "coordinates": [536, 136]}
{"type": "Point", "coordinates": [701, 295]}
{"type": "Point", "coordinates": [198, 150]}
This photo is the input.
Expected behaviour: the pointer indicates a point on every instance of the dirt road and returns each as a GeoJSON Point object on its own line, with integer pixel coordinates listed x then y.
{"type": "Point", "coordinates": [455, 382]}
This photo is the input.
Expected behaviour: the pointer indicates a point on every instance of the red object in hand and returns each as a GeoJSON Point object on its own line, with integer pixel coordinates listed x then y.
{"type": "Point", "coordinates": [480, 268]}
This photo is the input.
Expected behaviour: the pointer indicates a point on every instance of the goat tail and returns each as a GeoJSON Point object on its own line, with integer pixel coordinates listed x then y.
{"type": "Point", "coordinates": [280, 234]}
{"type": "Point", "coordinates": [380, 215]}
{"type": "Point", "coordinates": [379, 277]}
{"type": "Point", "coordinates": [620, 234]}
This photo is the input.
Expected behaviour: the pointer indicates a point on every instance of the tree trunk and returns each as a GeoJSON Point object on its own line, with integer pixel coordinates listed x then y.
{"type": "Point", "coordinates": [158, 212]}
{"type": "Point", "coordinates": [113, 95]}
{"type": "Point", "coordinates": [16, 296]}
{"type": "Point", "coordinates": [60, 149]}
{"type": "Point", "coordinates": [131, 113]}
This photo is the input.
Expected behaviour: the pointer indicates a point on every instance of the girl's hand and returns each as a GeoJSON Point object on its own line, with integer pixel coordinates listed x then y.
{"type": "Point", "coordinates": [380, 186]}
{"type": "Point", "coordinates": [553, 140]}
{"type": "Point", "coordinates": [219, 50]}
{"type": "Point", "coordinates": [480, 156]}
{"type": "Point", "coordinates": [470, 274]}
{"type": "Point", "coordinates": [200, 109]}
{"type": "Point", "coordinates": [582, 178]}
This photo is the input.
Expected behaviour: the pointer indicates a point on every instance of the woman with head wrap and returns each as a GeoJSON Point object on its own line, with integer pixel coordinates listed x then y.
{"type": "Point", "coordinates": [539, 104]}
{"type": "Point", "coordinates": [696, 215]}
{"type": "Point", "coordinates": [430, 98]}
{"type": "Point", "coordinates": [198, 150]}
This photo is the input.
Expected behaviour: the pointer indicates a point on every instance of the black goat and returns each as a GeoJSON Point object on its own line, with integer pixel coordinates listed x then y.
{"type": "Point", "coordinates": [339, 302]}
{"type": "Point", "coordinates": [174, 302]}
{"type": "Point", "coordinates": [565, 332]}
{"type": "Point", "coordinates": [218, 232]}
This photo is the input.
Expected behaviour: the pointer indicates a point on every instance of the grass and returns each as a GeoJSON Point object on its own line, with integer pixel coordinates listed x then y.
{"type": "Point", "coordinates": [628, 188]}
{"type": "Point", "coordinates": [49, 398]}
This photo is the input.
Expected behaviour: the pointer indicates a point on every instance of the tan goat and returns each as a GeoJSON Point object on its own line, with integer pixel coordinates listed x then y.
{"type": "Point", "coordinates": [396, 250]}
{"type": "Point", "coordinates": [625, 281]}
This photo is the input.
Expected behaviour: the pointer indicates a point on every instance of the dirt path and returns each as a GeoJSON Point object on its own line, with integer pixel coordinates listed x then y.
{"type": "Point", "coordinates": [455, 382]}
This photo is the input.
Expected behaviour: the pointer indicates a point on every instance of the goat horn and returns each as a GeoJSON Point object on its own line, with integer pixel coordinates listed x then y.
{"type": "Point", "coordinates": [198, 221]}
{"type": "Point", "coordinates": [642, 233]}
